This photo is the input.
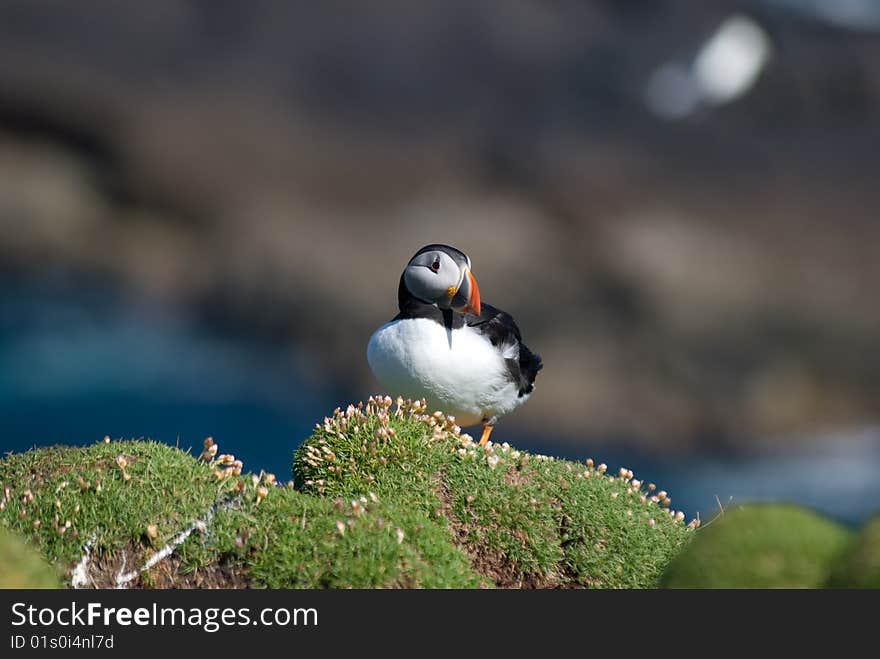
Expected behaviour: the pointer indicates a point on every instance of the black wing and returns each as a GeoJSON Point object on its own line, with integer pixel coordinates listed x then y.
{"type": "Point", "coordinates": [502, 331]}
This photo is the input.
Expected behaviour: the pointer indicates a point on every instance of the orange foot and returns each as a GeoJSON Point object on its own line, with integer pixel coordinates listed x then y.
{"type": "Point", "coordinates": [487, 430]}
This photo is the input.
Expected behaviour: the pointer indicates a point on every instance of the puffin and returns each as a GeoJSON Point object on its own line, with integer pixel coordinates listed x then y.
{"type": "Point", "coordinates": [463, 356]}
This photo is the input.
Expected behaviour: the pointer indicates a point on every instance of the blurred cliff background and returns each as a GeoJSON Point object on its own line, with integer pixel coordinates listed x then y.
{"type": "Point", "coordinates": [205, 208]}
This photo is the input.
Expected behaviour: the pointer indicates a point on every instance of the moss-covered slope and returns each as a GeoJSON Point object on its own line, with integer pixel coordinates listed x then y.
{"type": "Point", "coordinates": [761, 546]}
{"type": "Point", "coordinates": [386, 496]}
{"type": "Point", "coordinates": [22, 566]}
{"type": "Point", "coordinates": [859, 566]}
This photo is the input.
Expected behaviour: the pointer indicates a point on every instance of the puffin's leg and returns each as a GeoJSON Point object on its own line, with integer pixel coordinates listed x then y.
{"type": "Point", "coordinates": [487, 430]}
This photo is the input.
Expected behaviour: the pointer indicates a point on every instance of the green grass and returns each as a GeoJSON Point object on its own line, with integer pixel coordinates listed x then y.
{"type": "Point", "coordinates": [62, 495]}
{"type": "Point", "coordinates": [761, 546]}
{"type": "Point", "coordinates": [859, 567]}
{"type": "Point", "coordinates": [21, 565]}
{"type": "Point", "coordinates": [386, 496]}
{"type": "Point", "coordinates": [523, 520]}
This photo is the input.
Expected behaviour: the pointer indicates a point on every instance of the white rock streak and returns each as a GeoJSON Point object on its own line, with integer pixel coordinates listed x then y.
{"type": "Point", "coordinates": [124, 578]}
{"type": "Point", "coordinates": [79, 578]}
{"type": "Point", "coordinates": [201, 525]}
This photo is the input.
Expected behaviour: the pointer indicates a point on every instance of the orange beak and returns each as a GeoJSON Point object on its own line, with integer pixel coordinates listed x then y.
{"type": "Point", "coordinates": [473, 301]}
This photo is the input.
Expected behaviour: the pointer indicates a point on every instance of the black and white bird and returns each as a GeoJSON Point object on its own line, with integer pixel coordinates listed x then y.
{"type": "Point", "coordinates": [462, 356]}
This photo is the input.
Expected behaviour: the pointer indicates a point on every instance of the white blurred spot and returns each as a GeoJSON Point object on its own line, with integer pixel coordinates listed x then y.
{"type": "Point", "coordinates": [726, 67]}
{"type": "Point", "coordinates": [730, 62]}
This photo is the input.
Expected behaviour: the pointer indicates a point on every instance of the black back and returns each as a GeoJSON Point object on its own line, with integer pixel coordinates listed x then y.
{"type": "Point", "coordinates": [498, 326]}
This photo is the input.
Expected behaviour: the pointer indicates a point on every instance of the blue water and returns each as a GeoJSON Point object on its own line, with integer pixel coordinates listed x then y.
{"type": "Point", "coordinates": [79, 361]}
{"type": "Point", "coordinates": [76, 365]}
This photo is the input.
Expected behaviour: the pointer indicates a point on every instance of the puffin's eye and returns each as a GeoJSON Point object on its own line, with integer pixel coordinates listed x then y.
{"type": "Point", "coordinates": [435, 266]}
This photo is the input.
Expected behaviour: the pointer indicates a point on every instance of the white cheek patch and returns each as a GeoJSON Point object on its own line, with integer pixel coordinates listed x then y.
{"type": "Point", "coordinates": [449, 272]}
{"type": "Point", "coordinates": [420, 282]}
{"type": "Point", "coordinates": [426, 284]}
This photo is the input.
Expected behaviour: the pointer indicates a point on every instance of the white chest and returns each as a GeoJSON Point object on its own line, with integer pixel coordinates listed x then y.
{"type": "Point", "coordinates": [458, 371]}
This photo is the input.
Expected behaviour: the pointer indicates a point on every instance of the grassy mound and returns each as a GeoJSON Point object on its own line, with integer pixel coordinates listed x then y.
{"type": "Point", "coordinates": [521, 519]}
{"type": "Point", "coordinates": [116, 502]}
{"type": "Point", "coordinates": [386, 496]}
{"type": "Point", "coordinates": [860, 565]}
{"type": "Point", "coordinates": [761, 546]}
{"type": "Point", "coordinates": [22, 566]}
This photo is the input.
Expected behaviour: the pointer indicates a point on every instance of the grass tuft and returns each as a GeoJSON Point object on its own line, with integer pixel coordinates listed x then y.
{"type": "Point", "coordinates": [522, 519]}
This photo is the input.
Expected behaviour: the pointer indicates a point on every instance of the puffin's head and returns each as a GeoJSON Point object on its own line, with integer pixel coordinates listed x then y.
{"type": "Point", "coordinates": [441, 275]}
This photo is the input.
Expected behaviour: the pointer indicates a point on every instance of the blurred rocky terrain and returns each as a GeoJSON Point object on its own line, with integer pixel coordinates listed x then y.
{"type": "Point", "coordinates": [270, 168]}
